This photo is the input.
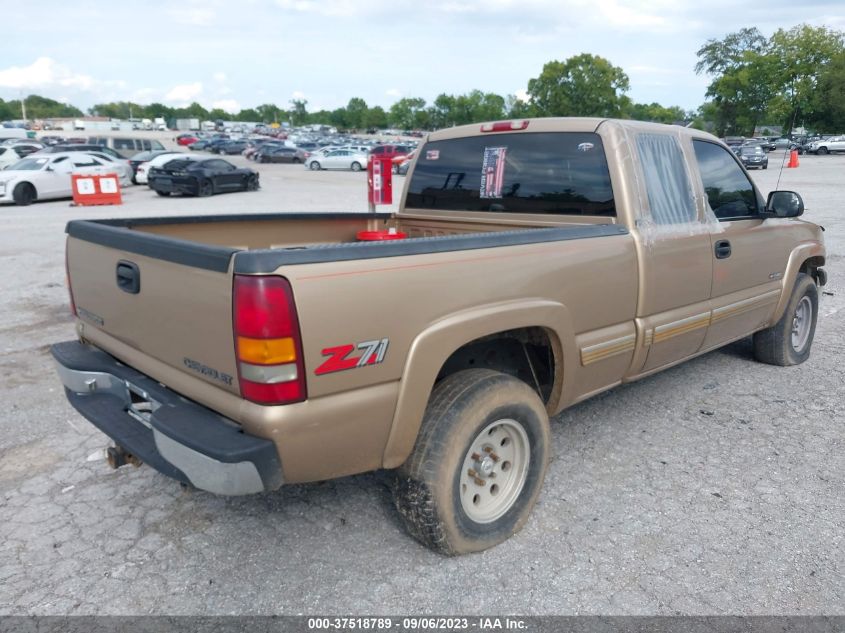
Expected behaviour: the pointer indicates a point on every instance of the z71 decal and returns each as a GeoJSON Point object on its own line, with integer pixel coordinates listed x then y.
{"type": "Point", "coordinates": [342, 357]}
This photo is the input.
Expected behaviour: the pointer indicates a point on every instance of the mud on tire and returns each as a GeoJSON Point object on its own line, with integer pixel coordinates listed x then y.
{"type": "Point", "coordinates": [473, 414]}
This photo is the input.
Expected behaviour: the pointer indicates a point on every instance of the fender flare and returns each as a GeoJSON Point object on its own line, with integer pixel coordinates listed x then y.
{"type": "Point", "coordinates": [433, 346]}
{"type": "Point", "coordinates": [797, 257]}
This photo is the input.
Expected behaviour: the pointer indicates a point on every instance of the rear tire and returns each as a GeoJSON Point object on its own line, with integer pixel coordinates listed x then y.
{"type": "Point", "coordinates": [24, 194]}
{"type": "Point", "coordinates": [788, 341]}
{"type": "Point", "coordinates": [821, 151]}
{"type": "Point", "coordinates": [478, 464]}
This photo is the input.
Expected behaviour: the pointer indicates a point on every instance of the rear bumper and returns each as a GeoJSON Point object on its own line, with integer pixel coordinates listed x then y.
{"type": "Point", "coordinates": [177, 437]}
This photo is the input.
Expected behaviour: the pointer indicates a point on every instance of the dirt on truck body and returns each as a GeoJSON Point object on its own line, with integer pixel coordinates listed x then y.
{"type": "Point", "coordinates": [545, 261]}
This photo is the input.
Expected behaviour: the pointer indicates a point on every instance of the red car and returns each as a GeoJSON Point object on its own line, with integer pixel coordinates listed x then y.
{"type": "Point", "coordinates": [186, 139]}
{"type": "Point", "coordinates": [390, 151]}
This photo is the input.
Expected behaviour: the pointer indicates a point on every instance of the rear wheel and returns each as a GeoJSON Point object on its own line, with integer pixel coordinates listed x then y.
{"type": "Point", "coordinates": [252, 183]}
{"type": "Point", "coordinates": [821, 151]}
{"type": "Point", "coordinates": [205, 188]}
{"type": "Point", "coordinates": [314, 166]}
{"type": "Point", "coordinates": [478, 464]}
{"type": "Point", "coordinates": [24, 194]}
{"type": "Point", "coordinates": [789, 340]}
{"type": "Point", "coordinates": [356, 166]}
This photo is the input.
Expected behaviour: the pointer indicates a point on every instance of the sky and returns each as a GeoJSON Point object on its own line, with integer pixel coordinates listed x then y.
{"type": "Point", "coordinates": [241, 54]}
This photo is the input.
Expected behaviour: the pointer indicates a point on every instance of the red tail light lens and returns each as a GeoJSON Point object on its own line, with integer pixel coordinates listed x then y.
{"type": "Point", "coordinates": [504, 126]}
{"type": "Point", "coordinates": [268, 345]}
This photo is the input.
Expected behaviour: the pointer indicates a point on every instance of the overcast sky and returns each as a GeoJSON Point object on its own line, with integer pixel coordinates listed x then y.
{"type": "Point", "coordinates": [241, 54]}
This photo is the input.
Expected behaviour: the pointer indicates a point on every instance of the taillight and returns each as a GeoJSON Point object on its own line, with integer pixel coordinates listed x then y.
{"type": "Point", "coordinates": [504, 126]}
{"type": "Point", "coordinates": [268, 345]}
{"type": "Point", "coordinates": [69, 288]}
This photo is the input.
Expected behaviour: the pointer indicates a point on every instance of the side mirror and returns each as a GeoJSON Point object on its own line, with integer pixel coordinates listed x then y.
{"type": "Point", "coordinates": [784, 204]}
{"type": "Point", "coordinates": [48, 168]}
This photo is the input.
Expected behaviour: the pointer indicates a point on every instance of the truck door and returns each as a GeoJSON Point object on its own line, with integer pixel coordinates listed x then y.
{"type": "Point", "coordinates": [676, 264]}
{"type": "Point", "coordinates": [749, 254]}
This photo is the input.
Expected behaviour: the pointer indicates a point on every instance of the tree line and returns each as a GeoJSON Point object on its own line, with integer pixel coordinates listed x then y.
{"type": "Point", "coordinates": [796, 77]}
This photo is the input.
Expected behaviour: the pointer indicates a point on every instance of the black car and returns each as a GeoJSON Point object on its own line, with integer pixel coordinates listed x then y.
{"type": "Point", "coordinates": [231, 147]}
{"type": "Point", "coordinates": [201, 177]}
{"type": "Point", "coordinates": [277, 155]}
{"type": "Point", "coordinates": [753, 156]}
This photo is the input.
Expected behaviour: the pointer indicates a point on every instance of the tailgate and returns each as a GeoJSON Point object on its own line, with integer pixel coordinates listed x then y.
{"type": "Point", "coordinates": [177, 312]}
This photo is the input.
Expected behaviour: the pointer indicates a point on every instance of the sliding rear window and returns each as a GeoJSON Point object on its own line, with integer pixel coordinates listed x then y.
{"type": "Point", "coordinates": [545, 172]}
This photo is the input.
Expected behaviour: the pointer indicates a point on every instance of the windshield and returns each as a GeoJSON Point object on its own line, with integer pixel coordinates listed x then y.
{"type": "Point", "coordinates": [30, 164]}
{"type": "Point", "coordinates": [548, 172]}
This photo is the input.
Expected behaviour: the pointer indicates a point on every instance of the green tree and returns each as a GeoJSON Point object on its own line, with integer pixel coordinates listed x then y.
{"type": "Point", "coordinates": [801, 56]}
{"type": "Point", "coordinates": [584, 85]}
{"type": "Point", "coordinates": [655, 112]}
{"type": "Point", "coordinates": [376, 118]}
{"type": "Point", "coordinates": [356, 113]}
{"type": "Point", "coordinates": [827, 102]}
{"type": "Point", "coordinates": [408, 113]}
{"type": "Point", "coordinates": [298, 111]}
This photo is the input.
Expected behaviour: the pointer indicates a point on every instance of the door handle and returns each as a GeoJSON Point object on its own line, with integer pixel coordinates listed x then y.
{"type": "Point", "coordinates": [723, 249]}
{"type": "Point", "coordinates": [128, 277]}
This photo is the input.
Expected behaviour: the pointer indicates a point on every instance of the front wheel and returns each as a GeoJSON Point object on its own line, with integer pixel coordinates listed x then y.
{"type": "Point", "coordinates": [478, 464]}
{"type": "Point", "coordinates": [821, 151]}
{"type": "Point", "coordinates": [788, 341]}
{"type": "Point", "coordinates": [163, 194]}
{"type": "Point", "coordinates": [24, 194]}
{"type": "Point", "coordinates": [356, 166]}
{"type": "Point", "coordinates": [314, 166]}
{"type": "Point", "coordinates": [252, 183]}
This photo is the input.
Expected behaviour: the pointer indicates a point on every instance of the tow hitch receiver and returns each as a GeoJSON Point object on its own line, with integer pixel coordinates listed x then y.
{"type": "Point", "coordinates": [117, 457]}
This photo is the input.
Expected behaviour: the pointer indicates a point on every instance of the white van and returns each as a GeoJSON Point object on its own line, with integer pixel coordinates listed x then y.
{"type": "Point", "coordinates": [125, 146]}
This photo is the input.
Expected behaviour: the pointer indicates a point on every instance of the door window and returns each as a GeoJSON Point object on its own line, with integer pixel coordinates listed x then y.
{"type": "Point", "coordinates": [729, 191]}
{"type": "Point", "coordinates": [670, 195]}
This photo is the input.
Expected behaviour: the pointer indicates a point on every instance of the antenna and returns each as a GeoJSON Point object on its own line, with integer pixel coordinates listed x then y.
{"type": "Point", "coordinates": [788, 151]}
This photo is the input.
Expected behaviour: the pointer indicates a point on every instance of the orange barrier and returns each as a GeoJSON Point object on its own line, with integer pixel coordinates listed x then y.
{"type": "Point", "coordinates": [793, 159]}
{"type": "Point", "coordinates": [95, 189]}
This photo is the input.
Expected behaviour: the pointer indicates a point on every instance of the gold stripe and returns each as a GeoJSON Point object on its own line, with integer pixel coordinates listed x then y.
{"type": "Point", "coordinates": [676, 328]}
{"type": "Point", "coordinates": [600, 351]}
{"type": "Point", "coordinates": [746, 305]}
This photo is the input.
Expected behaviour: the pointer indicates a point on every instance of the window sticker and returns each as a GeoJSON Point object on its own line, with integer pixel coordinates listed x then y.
{"type": "Point", "coordinates": [493, 172]}
{"type": "Point", "coordinates": [585, 147]}
{"type": "Point", "coordinates": [432, 154]}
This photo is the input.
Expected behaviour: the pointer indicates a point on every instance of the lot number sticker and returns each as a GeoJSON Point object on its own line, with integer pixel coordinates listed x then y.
{"type": "Point", "coordinates": [108, 185]}
{"type": "Point", "coordinates": [85, 186]}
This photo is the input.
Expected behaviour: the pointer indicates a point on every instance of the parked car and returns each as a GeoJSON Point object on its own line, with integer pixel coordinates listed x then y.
{"type": "Point", "coordinates": [827, 146]}
{"type": "Point", "coordinates": [143, 170]}
{"type": "Point", "coordinates": [231, 147]}
{"type": "Point", "coordinates": [400, 161]}
{"type": "Point", "coordinates": [337, 159]}
{"type": "Point", "coordinates": [47, 176]}
{"type": "Point", "coordinates": [120, 166]}
{"type": "Point", "coordinates": [201, 177]}
{"type": "Point", "coordinates": [11, 154]}
{"type": "Point", "coordinates": [79, 147]}
{"type": "Point", "coordinates": [144, 157]}
{"type": "Point", "coordinates": [277, 155]}
{"type": "Point", "coordinates": [766, 144]}
{"type": "Point", "coordinates": [390, 151]}
{"type": "Point", "coordinates": [125, 147]}
{"type": "Point", "coordinates": [753, 157]}
{"type": "Point", "coordinates": [203, 143]}
{"type": "Point", "coordinates": [186, 139]}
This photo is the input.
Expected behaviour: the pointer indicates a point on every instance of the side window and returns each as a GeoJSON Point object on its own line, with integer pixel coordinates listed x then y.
{"type": "Point", "coordinates": [153, 145]}
{"type": "Point", "coordinates": [124, 143]}
{"type": "Point", "coordinates": [729, 191]}
{"type": "Point", "coordinates": [378, 150]}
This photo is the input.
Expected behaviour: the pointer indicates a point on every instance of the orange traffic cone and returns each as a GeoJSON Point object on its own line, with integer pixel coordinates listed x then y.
{"type": "Point", "coordinates": [793, 159]}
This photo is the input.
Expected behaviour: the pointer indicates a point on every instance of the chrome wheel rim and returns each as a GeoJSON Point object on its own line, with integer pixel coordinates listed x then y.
{"type": "Point", "coordinates": [801, 321]}
{"type": "Point", "coordinates": [494, 471]}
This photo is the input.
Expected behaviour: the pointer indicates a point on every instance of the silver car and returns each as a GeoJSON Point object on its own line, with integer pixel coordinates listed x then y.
{"type": "Point", "coordinates": [337, 159]}
{"type": "Point", "coordinates": [828, 145]}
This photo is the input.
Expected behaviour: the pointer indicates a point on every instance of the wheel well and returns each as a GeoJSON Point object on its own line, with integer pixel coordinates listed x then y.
{"type": "Point", "coordinates": [529, 354]}
{"type": "Point", "coordinates": [811, 266]}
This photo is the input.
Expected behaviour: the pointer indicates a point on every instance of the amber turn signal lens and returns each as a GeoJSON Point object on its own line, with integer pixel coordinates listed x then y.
{"type": "Point", "coordinates": [266, 351]}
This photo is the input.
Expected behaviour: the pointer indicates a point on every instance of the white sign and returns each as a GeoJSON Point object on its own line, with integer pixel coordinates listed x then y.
{"type": "Point", "coordinates": [85, 186]}
{"type": "Point", "coordinates": [108, 185]}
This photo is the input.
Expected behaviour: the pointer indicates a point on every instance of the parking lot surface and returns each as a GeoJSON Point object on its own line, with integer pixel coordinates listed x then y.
{"type": "Point", "coordinates": [715, 487]}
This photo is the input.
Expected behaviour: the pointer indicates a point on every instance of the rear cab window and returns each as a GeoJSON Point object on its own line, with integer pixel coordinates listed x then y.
{"type": "Point", "coordinates": [539, 173]}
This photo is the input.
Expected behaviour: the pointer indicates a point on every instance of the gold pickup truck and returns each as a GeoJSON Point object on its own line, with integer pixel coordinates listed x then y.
{"type": "Point", "coordinates": [532, 264]}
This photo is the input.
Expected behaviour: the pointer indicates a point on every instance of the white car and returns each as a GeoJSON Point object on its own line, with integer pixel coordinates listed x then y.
{"type": "Point", "coordinates": [337, 159]}
{"type": "Point", "coordinates": [121, 167]}
{"type": "Point", "coordinates": [10, 154]}
{"type": "Point", "coordinates": [142, 172]}
{"type": "Point", "coordinates": [47, 176]}
{"type": "Point", "coordinates": [828, 145]}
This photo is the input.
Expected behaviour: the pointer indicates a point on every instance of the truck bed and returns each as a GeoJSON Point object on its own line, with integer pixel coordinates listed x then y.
{"type": "Point", "coordinates": [262, 243]}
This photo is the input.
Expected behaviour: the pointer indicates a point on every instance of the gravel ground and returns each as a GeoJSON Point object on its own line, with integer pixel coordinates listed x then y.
{"type": "Point", "coordinates": [715, 487]}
